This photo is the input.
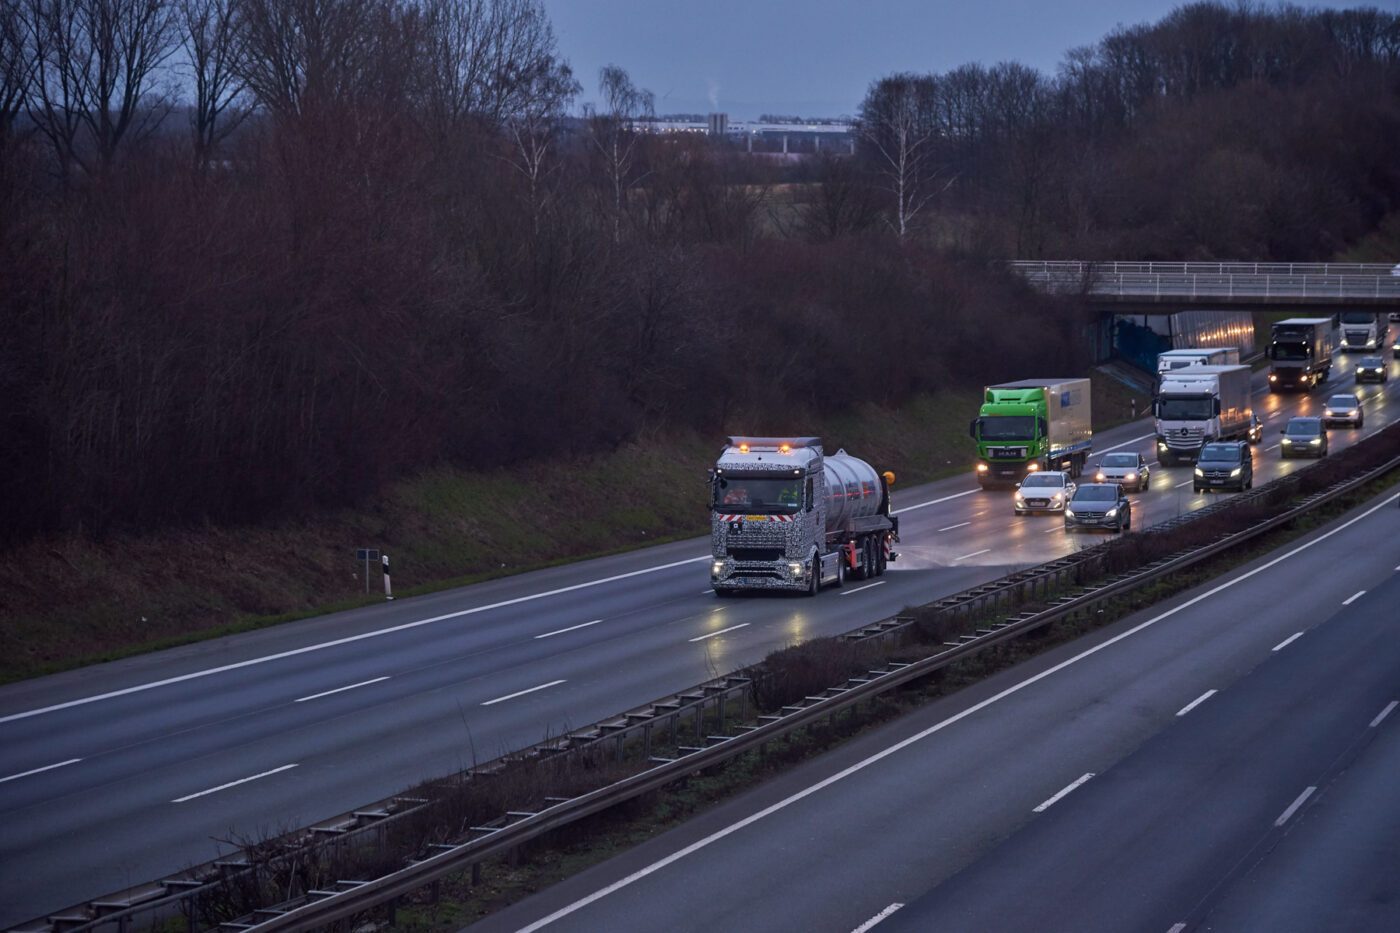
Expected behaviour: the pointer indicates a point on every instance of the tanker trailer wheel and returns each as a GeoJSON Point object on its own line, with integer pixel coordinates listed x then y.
{"type": "Point", "coordinates": [880, 560]}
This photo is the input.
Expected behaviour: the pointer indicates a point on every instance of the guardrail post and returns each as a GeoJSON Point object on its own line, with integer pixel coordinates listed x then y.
{"type": "Point", "coordinates": [646, 741]}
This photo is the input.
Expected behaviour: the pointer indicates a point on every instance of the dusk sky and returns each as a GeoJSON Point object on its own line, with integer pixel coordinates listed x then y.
{"type": "Point", "coordinates": [816, 57]}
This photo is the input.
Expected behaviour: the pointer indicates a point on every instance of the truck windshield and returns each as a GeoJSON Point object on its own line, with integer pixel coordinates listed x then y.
{"type": "Point", "coordinates": [1358, 317]}
{"type": "Point", "coordinates": [1008, 428]}
{"type": "Point", "coordinates": [1191, 408]}
{"type": "Point", "coordinates": [1291, 351]}
{"type": "Point", "coordinates": [740, 494]}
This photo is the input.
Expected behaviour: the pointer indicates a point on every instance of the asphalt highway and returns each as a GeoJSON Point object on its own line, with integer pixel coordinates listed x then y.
{"type": "Point", "coordinates": [117, 774]}
{"type": "Point", "coordinates": [1224, 761]}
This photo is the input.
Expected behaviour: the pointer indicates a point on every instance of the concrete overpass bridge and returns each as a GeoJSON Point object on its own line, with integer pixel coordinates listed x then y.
{"type": "Point", "coordinates": [1145, 307]}
{"type": "Point", "coordinates": [1145, 287]}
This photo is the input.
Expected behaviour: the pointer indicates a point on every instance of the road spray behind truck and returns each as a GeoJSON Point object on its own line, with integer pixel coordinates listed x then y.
{"type": "Point", "coordinates": [1200, 404]}
{"type": "Point", "coordinates": [1300, 353]}
{"type": "Point", "coordinates": [1033, 424]}
{"type": "Point", "coordinates": [786, 516]}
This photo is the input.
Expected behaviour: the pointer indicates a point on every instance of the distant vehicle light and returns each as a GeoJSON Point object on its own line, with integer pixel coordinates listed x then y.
{"type": "Point", "coordinates": [1033, 467]}
{"type": "Point", "coordinates": [981, 468]}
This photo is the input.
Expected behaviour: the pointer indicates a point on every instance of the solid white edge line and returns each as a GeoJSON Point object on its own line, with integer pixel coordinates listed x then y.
{"type": "Point", "coordinates": [349, 639]}
{"type": "Point", "coordinates": [881, 755]}
{"type": "Point", "coordinates": [921, 505]}
{"type": "Point", "coordinates": [1064, 792]}
{"type": "Point", "coordinates": [1390, 707]}
{"type": "Point", "coordinates": [958, 525]}
{"type": "Point", "coordinates": [985, 550]}
{"type": "Point", "coordinates": [1353, 598]}
{"type": "Point", "coordinates": [363, 683]}
{"type": "Point", "coordinates": [1287, 641]}
{"type": "Point", "coordinates": [575, 628]}
{"type": "Point", "coordinates": [1293, 807]}
{"type": "Point", "coordinates": [215, 790]}
{"type": "Point", "coordinates": [721, 631]}
{"type": "Point", "coordinates": [866, 587]}
{"type": "Point", "coordinates": [521, 693]}
{"type": "Point", "coordinates": [866, 926]}
{"type": "Point", "coordinates": [61, 764]}
{"type": "Point", "coordinates": [1196, 702]}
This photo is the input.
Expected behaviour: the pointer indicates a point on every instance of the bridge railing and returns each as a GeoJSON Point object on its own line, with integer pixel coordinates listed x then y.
{"type": "Point", "coordinates": [1205, 281]}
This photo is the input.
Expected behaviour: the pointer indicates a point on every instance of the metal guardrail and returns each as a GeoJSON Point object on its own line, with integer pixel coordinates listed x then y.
{"type": "Point", "coordinates": [1226, 282]}
{"type": "Point", "coordinates": [339, 906]}
{"type": "Point", "coordinates": [522, 827]}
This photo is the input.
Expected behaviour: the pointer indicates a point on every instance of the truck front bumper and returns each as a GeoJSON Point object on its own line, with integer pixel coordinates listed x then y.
{"type": "Point", "coordinates": [729, 574]}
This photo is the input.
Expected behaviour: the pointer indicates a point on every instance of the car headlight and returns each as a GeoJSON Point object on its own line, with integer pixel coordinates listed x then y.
{"type": "Point", "coordinates": [1111, 513]}
{"type": "Point", "coordinates": [1352, 413]}
{"type": "Point", "coordinates": [1069, 513]}
{"type": "Point", "coordinates": [1273, 378]}
{"type": "Point", "coordinates": [717, 568]}
{"type": "Point", "coordinates": [797, 569]}
{"type": "Point", "coordinates": [1315, 441]}
{"type": "Point", "coordinates": [1098, 477]}
{"type": "Point", "coordinates": [1055, 499]}
{"type": "Point", "coordinates": [1200, 472]}
{"type": "Point", "coordinates": [1236, 471]}
{"type": "Point", "coordinates": [1287, 440]}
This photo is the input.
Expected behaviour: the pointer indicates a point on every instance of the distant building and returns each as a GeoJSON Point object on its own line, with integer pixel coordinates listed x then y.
{"type": "Point", "coordinates": [719, 124]}
{"type": "Point", "coordinates": [782, 140]}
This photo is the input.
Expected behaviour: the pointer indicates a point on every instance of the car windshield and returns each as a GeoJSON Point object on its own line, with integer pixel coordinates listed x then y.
{"type": "Point", "coordinates": [1372, 362]}
{"type": "Point", "coordinates": [741, 494]}
{"type": "Point", "coordinates": [1043, 479]}
{"type": "Point", "coordinates": [1008, 428]}
{"type": "Point", "coordinates": [1304, 426]}
{"type": "Point", "coordinates": [1228, 453]}
{"type": "Point", "coordinates": [1342, 401]}
{"type": "Point", "coordinates": [1096, 494]}
{"type": "Point", "coordinates": [1120, 460]}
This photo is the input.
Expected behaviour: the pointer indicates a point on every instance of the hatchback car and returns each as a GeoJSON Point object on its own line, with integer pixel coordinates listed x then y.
{"type": "Point", "coordinates": [1371, 369]}
{"type": "Point", "coordinates": [1099, 505]}
{"type": "Point", "coordinates": [1129, 469]}
{"type": "Point", "coordinates": [1343, 409]}
{"type": "Point", "coordinates": [1225, 465]}
{"type": "Point", "coordinates": [1304, 437]}
{"type": "Point", "coordinates": [1044, 492]}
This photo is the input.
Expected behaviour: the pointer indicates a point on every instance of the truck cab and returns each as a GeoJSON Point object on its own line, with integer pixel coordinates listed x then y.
{"type": "Point", "coordinates": [1364, 330]}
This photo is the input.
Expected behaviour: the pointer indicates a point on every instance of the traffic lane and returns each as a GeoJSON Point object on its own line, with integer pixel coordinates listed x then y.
{"type": "Point", "coordinates": [1343, 845]}
{"type": "Point", "coordinates": [359, 754]}
{"type": "Point", "coordinates": [1140, 846]}
{"type": "Point", "coordinates": [840, 855]}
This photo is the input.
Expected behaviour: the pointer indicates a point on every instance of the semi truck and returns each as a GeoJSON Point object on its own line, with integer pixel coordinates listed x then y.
{"type": "Point", "coordinates": [1197, 356]}
{"type": "Point", "coordinates": [784, 515]}
{"type": "Point", "coordinates": [1300, 353]}
{"type": "Point", "coordinates": [1033, 424]}
{"type": "Point", "coordinates": [1364, 330]}
{"type": "Point", "coordinates": [1200, 404]}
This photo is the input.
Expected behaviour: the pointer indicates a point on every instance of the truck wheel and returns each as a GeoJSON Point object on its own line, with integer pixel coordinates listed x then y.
{"type": "Point", "coordinates": [815, 583]}
{"type": "Point", "coordinates": [880, 561]}
{"type": "Point", "coordinates": [868, 565]}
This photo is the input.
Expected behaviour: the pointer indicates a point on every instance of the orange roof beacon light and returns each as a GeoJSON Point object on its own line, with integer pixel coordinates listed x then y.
{"type": "Point", "coordinates": [785, 449]}
{"type": "Point", "coordinates": [889, 477]}
{"type": "Point", "coordinates": [743, 448]}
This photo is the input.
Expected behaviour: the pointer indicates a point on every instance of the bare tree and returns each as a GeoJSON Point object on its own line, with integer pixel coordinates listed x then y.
{"type": "Point", "coordinates": [214, 44]}
{"type": "Point", "coordinates": [95, 64]}
{"type": "Point", "coordinates": [15, 68]}
{"type": "Point", "coordinates": [301, 53]}
{"type": "Point", "coordinates": [613, 131]}
{"type": "Point", "coordinates": [534, 131]}
{"type": "Point", "coordinates": [896, 122]}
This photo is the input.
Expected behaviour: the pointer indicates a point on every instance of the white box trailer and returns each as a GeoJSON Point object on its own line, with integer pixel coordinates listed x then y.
{"type": "Point", "coordinates": [1200, 404]}
{"type": "Point", "coordinates": [1197, 356]}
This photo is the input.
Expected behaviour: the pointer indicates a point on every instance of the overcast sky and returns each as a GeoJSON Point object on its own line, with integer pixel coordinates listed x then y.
{"type": "Point", "coordinates": [816, 57]}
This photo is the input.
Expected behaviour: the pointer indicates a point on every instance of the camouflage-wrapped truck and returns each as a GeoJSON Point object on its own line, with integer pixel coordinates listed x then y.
{"type": "Point", "coordinates": [786, 516]}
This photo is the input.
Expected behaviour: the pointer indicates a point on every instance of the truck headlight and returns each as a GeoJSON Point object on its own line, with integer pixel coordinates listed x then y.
{"type": "Point", "coordinates": [717, 568]}
{"type": "Point", "coordinates": [981, 468]}
{"type": "Point", "coordinates": [1236, 472]}
{"type": "Point", "coordinates": [1161, 445]}
{"type": "Point", "coordinates": [797, 569]}
{"type": "Point", "coordinates": [1200, 472]}
{"type": "Point", "coordinates": [1273, 378]}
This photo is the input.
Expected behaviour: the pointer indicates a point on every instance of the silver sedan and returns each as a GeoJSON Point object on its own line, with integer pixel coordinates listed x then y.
{"type": "Point", "coordinates": [1129, 469]}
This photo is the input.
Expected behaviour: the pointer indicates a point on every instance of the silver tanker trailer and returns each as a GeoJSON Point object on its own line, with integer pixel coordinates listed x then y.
{"type": "Point", "coordinates": [786, 516]}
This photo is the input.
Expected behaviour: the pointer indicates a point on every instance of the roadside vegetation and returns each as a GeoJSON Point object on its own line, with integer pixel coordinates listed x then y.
{"type": "Point", "coordinates": [401, 299]}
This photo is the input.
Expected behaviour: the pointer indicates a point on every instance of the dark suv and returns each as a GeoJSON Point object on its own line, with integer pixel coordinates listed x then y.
{"type": "Point", "coordinates": [1304, 437]}
{"type": "Point", "coordinates": [1225, 465]}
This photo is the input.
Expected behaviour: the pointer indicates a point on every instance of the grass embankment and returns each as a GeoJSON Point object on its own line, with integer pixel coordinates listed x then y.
{"type": "Point", "coordinates": [71, 601]}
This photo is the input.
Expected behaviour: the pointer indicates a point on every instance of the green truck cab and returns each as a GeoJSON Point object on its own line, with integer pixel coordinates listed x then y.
{"type": "Point", "coordinates": [1033, 424]}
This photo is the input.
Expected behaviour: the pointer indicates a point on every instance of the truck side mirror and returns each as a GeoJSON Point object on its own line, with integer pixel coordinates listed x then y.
{"type": "Point", "coordinates": [972, 429]}
{"type": "Point", "coordinates": [1217, 406]}
{"type": "Point", "coordinates": [1040, 423]}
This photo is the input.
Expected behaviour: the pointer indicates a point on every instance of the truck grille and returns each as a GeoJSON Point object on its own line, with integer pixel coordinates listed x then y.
{"type": "Point", "coordinates": [1185, 438]}
{"type": "Point", "coordinates": [1356, 336]}
{"type": "Point", "coordinates": [762, 554]}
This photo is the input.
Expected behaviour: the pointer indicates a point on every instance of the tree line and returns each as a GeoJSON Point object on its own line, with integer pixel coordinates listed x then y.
{"type": "Point", "coordinates": [261, 256]}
